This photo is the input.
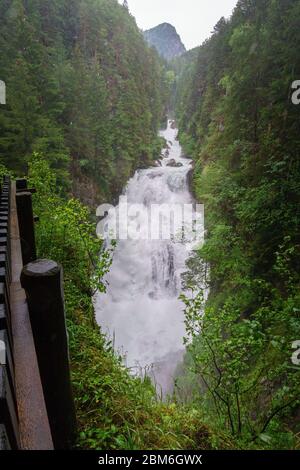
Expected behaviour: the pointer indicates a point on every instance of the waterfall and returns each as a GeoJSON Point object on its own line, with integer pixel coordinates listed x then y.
{"type": "Point", "coordinates": [141, 309]}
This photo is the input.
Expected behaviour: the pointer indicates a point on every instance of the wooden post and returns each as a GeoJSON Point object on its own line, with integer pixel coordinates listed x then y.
{"type": "Point", "coordinates": [42, 281]}
{"type": "Point", "coordinates": [26, 226]}
{"type": "Point", "coordinates": [21, 184]}
{"type": "Point", "coordinates": [35, 433]}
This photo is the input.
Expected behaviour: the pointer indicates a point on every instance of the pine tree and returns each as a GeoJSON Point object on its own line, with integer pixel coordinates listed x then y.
{"type": "Point", "coordinates": [236, 117]}
{"type": "Point", "coordinates": [83, 87]}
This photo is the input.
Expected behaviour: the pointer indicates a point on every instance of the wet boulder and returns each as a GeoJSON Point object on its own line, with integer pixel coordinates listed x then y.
{"type": "Point", "coordinates": [174, 164]}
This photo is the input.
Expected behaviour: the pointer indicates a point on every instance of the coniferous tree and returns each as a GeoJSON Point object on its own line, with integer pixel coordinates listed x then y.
{"type": "Point", "coordinates": [83, 89]}
{"type": "Point", "coordinates": [237, 120]}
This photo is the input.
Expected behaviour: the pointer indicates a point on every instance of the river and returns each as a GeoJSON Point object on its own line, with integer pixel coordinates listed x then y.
{"type": "Point", "coordinates": [141, 310]}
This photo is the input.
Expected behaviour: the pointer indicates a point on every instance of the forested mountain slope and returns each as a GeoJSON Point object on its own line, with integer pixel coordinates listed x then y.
{"type": "Point", "coordinates": [85, 98]}
{"type": "Point", "coordinates": [238, 121]}
{"type": "Point", "coordinates": [83, 89]}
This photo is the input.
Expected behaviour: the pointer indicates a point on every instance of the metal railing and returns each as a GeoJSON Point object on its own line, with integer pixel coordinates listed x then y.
{"type": "Point", "coordinates": [9, 426]}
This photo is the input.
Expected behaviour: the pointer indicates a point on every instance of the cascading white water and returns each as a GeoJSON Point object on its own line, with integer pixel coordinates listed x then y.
{"type": "Point", "coordinates": [141, 309]}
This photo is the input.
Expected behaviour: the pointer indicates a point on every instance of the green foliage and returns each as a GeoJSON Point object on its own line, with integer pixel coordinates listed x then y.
{"type": "Point", "coordinates": [240, 363]}
{"type": "Point", "coordinates": [65, 232]}
{"type": "Point", "coordinates": [118, 411]}
{"type": "Point", "coordinates": [83, 89]}
{"type": "Point", "coordinates": [4, 172]}
{"type": "Point", "coordinates": [114, 409]}
{"type": "Point", "coordinates": [239, 124]}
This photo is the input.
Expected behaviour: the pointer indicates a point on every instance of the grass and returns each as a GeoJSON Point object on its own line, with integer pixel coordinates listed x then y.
{"type": "Point", "coordinates": [114, 409]}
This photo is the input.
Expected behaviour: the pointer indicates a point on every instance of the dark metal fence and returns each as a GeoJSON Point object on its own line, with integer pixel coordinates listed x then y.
{"type": "Point", "coordinates": [9, 428]}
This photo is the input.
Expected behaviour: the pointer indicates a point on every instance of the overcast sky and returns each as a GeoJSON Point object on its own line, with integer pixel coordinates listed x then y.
{"type": "Point", "coordinates": [193, 19]}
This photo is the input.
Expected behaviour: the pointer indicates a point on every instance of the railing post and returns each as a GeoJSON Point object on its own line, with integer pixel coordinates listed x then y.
{"type": "Point", "coordinates": [42, 281]}
{"type": "Point", "coordinates": [26, 226]}
{"type": "Point", "coordinates": [21, 184]}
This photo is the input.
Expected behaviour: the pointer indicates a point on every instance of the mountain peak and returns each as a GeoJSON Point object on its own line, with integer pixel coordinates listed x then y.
{"type": "Point", "coordinates": [166, 40]}
{"type": "Point", "coordinates": [165, 25]}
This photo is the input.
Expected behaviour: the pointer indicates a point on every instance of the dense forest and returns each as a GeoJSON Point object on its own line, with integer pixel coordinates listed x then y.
{"type": "Point", "coordinates": [86, 97]}
{"type": "Point", "coordinates": [82, 88]}
{"type": "Point", "coordinates": [237, 119]}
